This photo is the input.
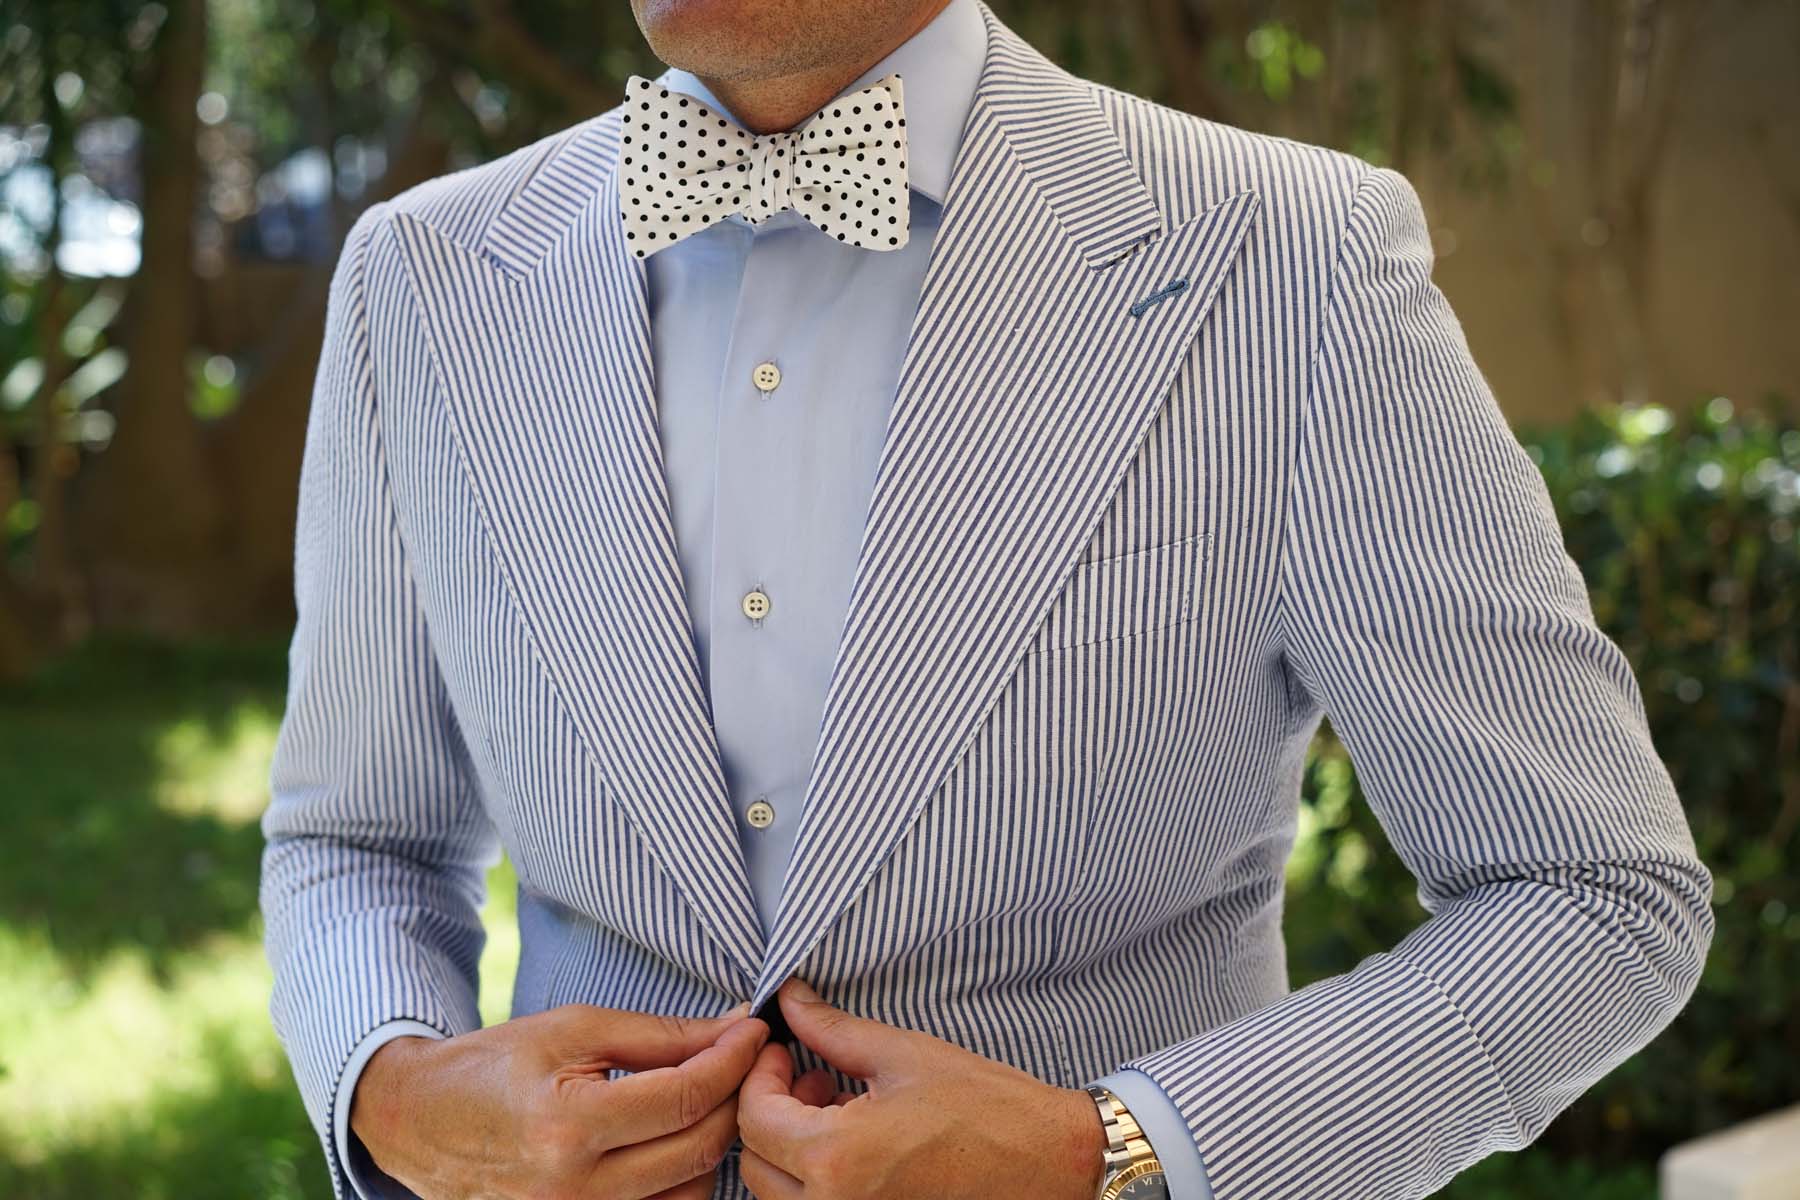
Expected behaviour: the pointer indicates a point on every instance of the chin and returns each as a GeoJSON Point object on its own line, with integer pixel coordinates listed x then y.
{"type": "Point", "coordinates": [720, 38]}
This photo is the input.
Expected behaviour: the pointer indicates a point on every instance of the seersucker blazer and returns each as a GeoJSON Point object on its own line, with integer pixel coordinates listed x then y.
{"type": "Point", "coordinates": [1186, 452]}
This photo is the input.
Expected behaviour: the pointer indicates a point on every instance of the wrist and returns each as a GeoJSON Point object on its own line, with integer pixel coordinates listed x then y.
{"type": "Point", "coordinates": [390, 1075]}
{"type": "Point", "coordinates": [1084, 1138]}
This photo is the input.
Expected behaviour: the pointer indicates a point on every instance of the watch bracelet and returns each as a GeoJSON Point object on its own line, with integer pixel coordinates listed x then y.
{"type": "Point", "coordinates": [1125, 1140]}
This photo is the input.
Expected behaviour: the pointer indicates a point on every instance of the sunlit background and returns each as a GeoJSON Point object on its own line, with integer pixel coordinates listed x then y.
{"type": "Point", "coordinates": [1614, 193]}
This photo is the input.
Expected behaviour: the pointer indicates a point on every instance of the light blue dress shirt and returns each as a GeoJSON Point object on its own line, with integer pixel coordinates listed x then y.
{"type": "Point", "coordinates": [769, 485]}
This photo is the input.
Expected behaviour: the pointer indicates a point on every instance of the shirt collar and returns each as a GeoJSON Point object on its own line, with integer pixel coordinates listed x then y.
{"type": "Point", "coordinates": [938, 66]}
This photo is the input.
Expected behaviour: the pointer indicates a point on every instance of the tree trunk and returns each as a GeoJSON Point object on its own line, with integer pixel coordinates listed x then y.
{"type": "Point", "coordinates": [146, 514]}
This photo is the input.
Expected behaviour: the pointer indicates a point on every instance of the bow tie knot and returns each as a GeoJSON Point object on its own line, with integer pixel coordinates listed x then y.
{"type": "Point", "coordinates": [772, 169]}
{"type": "Point", "coordinates": [683, 166]}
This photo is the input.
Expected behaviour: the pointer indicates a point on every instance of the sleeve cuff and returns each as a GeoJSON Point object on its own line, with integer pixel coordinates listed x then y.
{"type": "Point", "coordinates": [365, 1178]}
{"type": "Point", "coordinates": [1166, 1130]}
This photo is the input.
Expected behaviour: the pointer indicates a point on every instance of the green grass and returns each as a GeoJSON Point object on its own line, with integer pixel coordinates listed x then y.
{"type": "Point", "coordinates": [136, 1057]}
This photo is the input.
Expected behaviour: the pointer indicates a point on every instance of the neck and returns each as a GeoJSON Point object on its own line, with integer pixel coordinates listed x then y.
{"type": "Point", "coordinates": [779, 102]}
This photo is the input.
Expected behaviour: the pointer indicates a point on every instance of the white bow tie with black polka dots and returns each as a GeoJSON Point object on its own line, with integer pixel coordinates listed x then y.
{"type": "Point", "coordinates": [682, 166]}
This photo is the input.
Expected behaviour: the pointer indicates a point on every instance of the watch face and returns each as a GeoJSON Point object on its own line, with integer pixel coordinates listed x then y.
{"type": "Point", "coordinates": [1146, 1187]}
{"type": "Point", "coordinates": [1140, 1181]}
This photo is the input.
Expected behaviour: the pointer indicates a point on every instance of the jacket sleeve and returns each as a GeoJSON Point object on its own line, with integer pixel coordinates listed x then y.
{"type": "Point", "coordinates": [1431, 610]}
{"type": "Point", "coordinates": [373, 870]}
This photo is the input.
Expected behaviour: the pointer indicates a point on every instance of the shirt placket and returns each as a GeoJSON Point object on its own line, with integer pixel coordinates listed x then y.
{"type": "Point", "coordinates": [755, 638]}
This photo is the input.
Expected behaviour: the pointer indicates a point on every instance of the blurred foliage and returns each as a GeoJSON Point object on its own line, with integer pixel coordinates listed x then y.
{"type": "Point", "coordinates": [134, 774]}
{"type": "Point", "coordinates": [1687, 530]}
{"type": "Point", "coordinates": [137, 1060]}
{"type": "Point", "coordinates": [1537, 1175]}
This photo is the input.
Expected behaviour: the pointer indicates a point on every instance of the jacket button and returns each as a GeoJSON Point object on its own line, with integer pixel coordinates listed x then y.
{"type": "Point", "coordinates": [760, 814]}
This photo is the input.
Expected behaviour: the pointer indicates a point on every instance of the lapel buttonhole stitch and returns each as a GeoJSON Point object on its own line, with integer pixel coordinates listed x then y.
{"type": "Point", "coordinates": [1173, 288]}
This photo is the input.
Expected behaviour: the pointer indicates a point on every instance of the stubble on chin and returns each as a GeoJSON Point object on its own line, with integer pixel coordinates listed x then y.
{"type": "Point", "coordinates": [740, 40]}
{"type": "Point", "coordinates": [734, 39]}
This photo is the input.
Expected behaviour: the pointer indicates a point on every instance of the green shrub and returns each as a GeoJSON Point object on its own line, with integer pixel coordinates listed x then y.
{"type": "Point", "coordinates": [1687, 530]}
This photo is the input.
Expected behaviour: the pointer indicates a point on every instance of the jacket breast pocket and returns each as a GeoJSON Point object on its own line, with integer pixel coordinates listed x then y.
{"type": "Point", "coordinates": [1126, 594]}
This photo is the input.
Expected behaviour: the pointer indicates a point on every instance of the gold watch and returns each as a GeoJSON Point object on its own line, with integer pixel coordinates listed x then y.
{"type": "Point", "coordinates": [1131, 1170]}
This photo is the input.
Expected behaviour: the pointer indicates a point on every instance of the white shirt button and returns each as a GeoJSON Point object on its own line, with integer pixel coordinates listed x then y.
{"type": "Point", "coordinates": [756, 605]}
{"type": "Point", "coordinates": [766, 377]}
{"type": "Point", "coordinates": [760, 814]}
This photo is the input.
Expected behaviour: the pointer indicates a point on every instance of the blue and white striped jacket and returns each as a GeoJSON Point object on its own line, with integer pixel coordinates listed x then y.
{"type": "Point", "coordinates": [1187, 451]}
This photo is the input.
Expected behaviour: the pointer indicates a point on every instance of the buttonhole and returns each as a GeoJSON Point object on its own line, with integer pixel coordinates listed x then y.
{"type": "Point", "coordinates": [1169, 290]}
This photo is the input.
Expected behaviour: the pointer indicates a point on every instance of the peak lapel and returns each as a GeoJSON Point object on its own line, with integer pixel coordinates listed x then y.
{"type": "Point", "coordinates": [1027, 386]}
{"type": "Point", "coordinates": [541, 331]}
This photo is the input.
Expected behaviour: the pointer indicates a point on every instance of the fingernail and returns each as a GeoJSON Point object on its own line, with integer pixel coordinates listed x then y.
{"type": "Point", "coordinates": [803, 993]}
{"type": "Point", "coordinates": [738, 1013]}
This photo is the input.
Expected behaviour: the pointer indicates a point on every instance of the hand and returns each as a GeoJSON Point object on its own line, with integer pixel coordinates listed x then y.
{"type": "Point", "coordinates": [936, 1121]}
{"type": "Point", "coordinates": [524, 1108]}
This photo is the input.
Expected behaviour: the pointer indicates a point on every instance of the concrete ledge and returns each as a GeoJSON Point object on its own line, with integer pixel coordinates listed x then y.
{"type": "Point", "coordinates": [1758, 1160]}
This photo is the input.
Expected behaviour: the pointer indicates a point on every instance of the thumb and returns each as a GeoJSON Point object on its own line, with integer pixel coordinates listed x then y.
{"type": "Point", "coordinates": [639, 1041]}
{"type": "Point", "coordinates": [854, 1045]}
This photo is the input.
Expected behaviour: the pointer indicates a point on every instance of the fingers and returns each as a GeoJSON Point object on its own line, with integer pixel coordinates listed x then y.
{"type": "Point", "coordinates": [863, 1048]}
{"type": "Point", "coordinates": [662, 1100]}
{"type": "Point", "coordinates": [638, 1041]}
{"type": "Point", "coordinates": [765, 1180]}
{"type": "Point", "coordinates": [771, 1120]}
{"type": "Point", "coordinates": [671, 1161]}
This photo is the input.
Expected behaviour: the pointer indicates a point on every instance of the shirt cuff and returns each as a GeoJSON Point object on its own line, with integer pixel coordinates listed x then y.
{"type": "Point", "coordinates": [1166, 1131]}
{"type": "Point", "coordinates": [366, 1179]}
